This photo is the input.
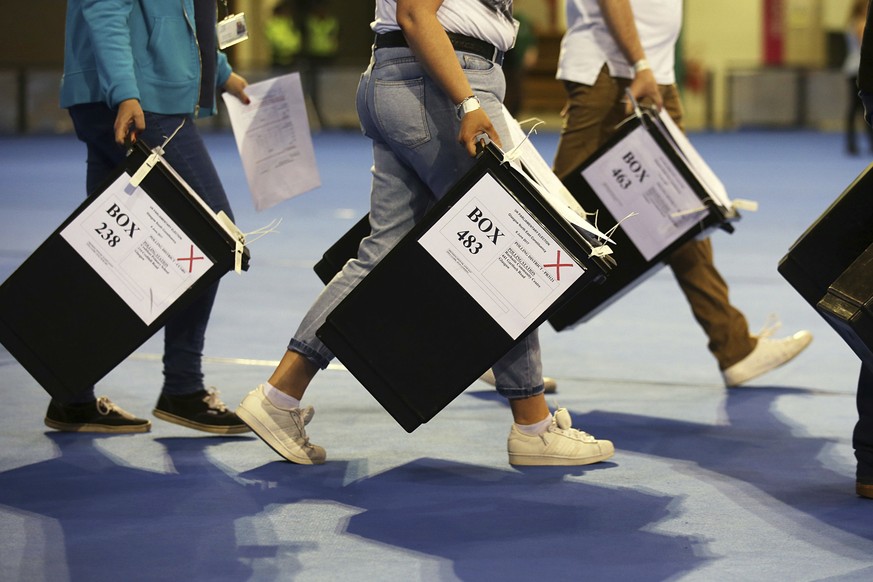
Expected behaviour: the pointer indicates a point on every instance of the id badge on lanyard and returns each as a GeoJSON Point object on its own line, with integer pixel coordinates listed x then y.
{"type": "Point", "coordinates": [232, 29]}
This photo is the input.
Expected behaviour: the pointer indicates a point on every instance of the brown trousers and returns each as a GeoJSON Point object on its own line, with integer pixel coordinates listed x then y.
{"type": "Point", "coordinates": [590, 117]}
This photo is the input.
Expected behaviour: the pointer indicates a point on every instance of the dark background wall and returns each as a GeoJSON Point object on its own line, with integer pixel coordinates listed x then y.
{"type": "Point", "coordinates": [33, 31]}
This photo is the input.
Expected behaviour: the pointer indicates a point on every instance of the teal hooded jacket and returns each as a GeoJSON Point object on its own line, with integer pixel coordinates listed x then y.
{"type": "Point", "coordinates": [135, 49]}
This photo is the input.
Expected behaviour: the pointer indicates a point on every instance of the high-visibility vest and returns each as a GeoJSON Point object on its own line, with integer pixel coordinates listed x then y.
{"type": "Point", "coordinates": [284, 38]}
{"type": "Point", "coordinates": [323, 37]}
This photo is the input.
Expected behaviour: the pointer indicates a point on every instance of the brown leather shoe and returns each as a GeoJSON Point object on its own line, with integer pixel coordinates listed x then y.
{"type": "Point", "coordinates": [864, 489]}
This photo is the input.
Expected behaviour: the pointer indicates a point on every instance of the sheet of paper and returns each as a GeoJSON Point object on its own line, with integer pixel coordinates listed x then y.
{"type": "Point", "coordinates": [137, 249]}
{"type": "Point", "coordinates": [697, 164]}
{"type": "Point", "coordinates": [274, 142]}
{"type": "Point", "coordinates": [501, 256]}
{"type": "Point", "coordinates": [525, 158]}
{"type": "Point", "coordinates": [635, 176]}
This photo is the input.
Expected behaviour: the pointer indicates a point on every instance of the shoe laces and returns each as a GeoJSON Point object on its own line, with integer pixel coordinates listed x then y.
{"type": "Point", "coordinates": [213, 401]}
{"type": "Point", "coordinates": [107, 407]}
{"type": "Point", "coordinates": [302, 416]}
{"type": "Point", "coordinates": [562, 423]}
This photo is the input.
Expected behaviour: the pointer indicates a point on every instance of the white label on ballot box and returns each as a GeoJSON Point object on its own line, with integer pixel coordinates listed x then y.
{"type": "Point", "coordinates": [509, 264]}
{"type": "Point", "coordinates": [635, 176]}
{"type": "Point", "coordinates": [136, 248]}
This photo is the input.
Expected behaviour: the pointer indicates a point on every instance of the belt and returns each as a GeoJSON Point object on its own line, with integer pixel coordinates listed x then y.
{"type": "Point", "coordinates": [395, 38]}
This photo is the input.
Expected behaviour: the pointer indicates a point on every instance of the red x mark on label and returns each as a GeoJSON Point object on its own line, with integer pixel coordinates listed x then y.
{"type": "Point", "coordinates": [557, 265]}
{"type": "Point", "coordinates": [191, 258]}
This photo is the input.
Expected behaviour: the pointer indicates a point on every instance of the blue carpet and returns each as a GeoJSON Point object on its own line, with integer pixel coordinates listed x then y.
{"type": "Point", "coordinates": [707, 484]}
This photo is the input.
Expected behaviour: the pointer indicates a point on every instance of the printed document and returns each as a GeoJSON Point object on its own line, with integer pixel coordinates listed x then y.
{"type": "Point", "coordinates": [636, 179]}
{"type": "Point", "coordinates": [272, 135]}
{"type": "Point", "coordinates": [137, 249]}
{"type": "Point", "coordinates": [508, 263]}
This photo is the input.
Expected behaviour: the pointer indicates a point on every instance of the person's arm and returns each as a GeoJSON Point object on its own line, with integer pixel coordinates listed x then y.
{"type": "Point", "coordinates": [235, 85]}
{"type": "Point", "coordinates": [228, 80]}
{"type": "Point", "coordinates": [107, 21]}
{"type": "Point", "coordinates": [430, 43]}
{"type": "Point", "coordinates": [619, 17]}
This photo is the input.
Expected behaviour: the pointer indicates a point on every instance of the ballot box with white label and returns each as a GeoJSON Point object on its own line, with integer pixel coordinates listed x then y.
{"type": "Point", "coordinates": [110, 275]}
{"type": "Point", "coordinates": [650, 181]}
{"type": "Point", "coordinates": [345, 248]}
{"type": "Point", "coordinates": [483, 268]}
{"type": "Point", "coordinates": [831, 265]}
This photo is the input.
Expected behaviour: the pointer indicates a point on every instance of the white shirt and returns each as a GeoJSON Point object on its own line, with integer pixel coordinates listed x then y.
{"type": "Point", "coordinates": [488, 20]}
{"type": "Point", "coordinates": [588, 44]}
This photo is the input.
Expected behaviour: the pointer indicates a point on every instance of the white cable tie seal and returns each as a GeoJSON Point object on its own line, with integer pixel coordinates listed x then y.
{"type": "Point", "coordinates": [515, 152]}
{"type": "Point", "coordinates": [617, 224]}
{"type": "Point", "coordinates": [146, 167]}
{"type": "Point", "coordinates": [239, 240]}
{"type": "Point", "coordinates": [634, 103]}
{"type": "Point", "coordinates": [743, 204]}
{"type": "Point", "coordinates": [265, 230]}
{"type": "Point", "coordinates": [601, 251]}
{"type": "Point", "coordinates": [240, 237]}
{"type": "Point", "coordinates": [152, 160]}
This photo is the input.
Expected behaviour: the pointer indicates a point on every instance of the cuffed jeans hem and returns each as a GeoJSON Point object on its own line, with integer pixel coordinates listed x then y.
{"type": "Point", "coordinates": [516, 393]}
{"type": "Point", "coordinates": [179, 383]}
{"type": "Point", "coordinates": [316, 357]}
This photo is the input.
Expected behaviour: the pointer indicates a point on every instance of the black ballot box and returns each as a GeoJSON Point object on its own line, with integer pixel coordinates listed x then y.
{"type": "Point", "coordinates": [830, 265]}
{"type": "Point", "coordinates": [848, 305]}
{"type": "Point", "coordinates": [485, 266]}
{"type": "Point", "coordinates": [648, 179]}
{"type": "Point", "coordinates": [128, 258]}
{"type": "Point", "coordinates": [345, 248]}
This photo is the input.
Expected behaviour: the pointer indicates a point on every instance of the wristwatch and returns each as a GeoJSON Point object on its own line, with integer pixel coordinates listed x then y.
{"type": "Point", "coordinates": [469, 104]}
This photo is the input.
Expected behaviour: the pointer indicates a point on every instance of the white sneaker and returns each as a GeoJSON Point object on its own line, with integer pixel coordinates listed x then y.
{"type": "Point", "coordinates": [282, 430]}
{"type": "Point", "coordinates": [550, 386]}
{"type": "Point", "coordinates": [559, 445]}
{"type": "Point", "coordinates": [768, 355]}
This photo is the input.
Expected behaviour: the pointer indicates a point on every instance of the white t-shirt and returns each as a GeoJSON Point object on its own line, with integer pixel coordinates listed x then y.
{"type": "Point", "coordinates": [488, 20]}
{"type": "Point", "coordinates": [588, 43]}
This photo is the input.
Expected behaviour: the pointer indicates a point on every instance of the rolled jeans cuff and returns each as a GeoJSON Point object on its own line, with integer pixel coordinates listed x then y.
{"type": "Point", "coordinates": [515, 393]}
{"type": "Point", "coordinates": [311, 354]}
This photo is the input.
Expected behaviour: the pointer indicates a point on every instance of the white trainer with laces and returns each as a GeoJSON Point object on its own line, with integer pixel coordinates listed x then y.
{"type": "Point", "coordinates": [768, 355]}
{"type": "Point", "coordinates": [283, 430]}
{"type": "Point", "coordinates": [560, 445]}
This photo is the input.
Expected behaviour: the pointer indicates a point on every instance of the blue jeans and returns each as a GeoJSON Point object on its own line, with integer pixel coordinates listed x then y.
{"type": "Point", "coordinates": [416, 160]}
{"type": "Point", "coordinates": [184, 333]}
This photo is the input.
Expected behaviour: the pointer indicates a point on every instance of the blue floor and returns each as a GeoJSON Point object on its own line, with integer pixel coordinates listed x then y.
{"type": "Point", "coordinates": [708, 484]}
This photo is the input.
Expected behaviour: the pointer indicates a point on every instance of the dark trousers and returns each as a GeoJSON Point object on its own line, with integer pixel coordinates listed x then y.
{"type": "Point", "coordinates": [862, 438]}
{"type": "Point", "coordinates": [855, 115]}
{"type": "Point", "coordinates": [590, 117]}
{"type": "Point", "coordinates": [184, 333]}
